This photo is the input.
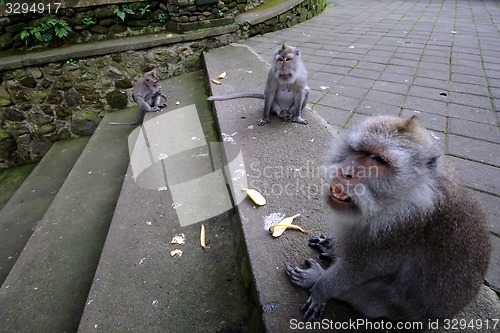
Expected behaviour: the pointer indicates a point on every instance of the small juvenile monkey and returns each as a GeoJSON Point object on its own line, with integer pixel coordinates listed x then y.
{"type": "Point", "coordinates": [409, 242]}
{"type": "Point", "coordinates": [147, 94]}
{"type": "Point", "coordinates": [286, 91]}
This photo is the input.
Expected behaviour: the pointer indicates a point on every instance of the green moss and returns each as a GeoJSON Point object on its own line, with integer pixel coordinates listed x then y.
{"type": "Point", "coordinates": [267, 5]}
{"type": "Point", "coordinates": [11, 179]}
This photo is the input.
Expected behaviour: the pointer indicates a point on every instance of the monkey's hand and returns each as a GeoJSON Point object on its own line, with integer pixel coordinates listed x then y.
{"type": "Point", "coordinates": [313, 310]}
{"type": "Point", "coordinates": [299, 119]}
{"type": "Point", "coordinates": [263, 121]}
{"type": "Point", "coordinates": [323, 245]}
{"type": "Point", "coordinates": [154, 109]}
{"type": "Point", "coordinates": [307, 277]}
{"type": "Point", "coordinates": [314, 307]}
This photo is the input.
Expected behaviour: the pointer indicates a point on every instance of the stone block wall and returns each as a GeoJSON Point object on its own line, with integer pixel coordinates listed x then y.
{"type": "Point", "coordinates": [300, 13]}
{"type": "Point", "coordinates": [90, 22]}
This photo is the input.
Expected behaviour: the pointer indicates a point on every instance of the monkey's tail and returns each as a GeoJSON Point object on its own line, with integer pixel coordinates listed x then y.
{"type": "Point", "coordinates": [128, 122]}
{"type": "Point", "coordinates": [236, 95]}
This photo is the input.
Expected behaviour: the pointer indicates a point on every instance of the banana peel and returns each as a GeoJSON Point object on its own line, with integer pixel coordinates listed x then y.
{"type": "Point", "coordinates": [279, 228]}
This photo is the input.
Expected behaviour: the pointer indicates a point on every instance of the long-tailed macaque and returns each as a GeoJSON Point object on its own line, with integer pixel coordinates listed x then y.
{"type": "Point", "coordinates": [409, 242]}
{"type": "Point", "coordinates": [286, 91]}
{"type": "Point", "coordinates": [147, 94]}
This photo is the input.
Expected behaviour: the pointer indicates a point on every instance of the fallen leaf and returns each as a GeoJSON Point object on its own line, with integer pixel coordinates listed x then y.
{"type": "Point", "coordinates": [176, 253]}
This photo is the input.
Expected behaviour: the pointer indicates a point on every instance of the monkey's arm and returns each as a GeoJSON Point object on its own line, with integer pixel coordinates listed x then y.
{"type": "Point", "coordinates": [269, 97]}
{"type": "Point", "coordinates": [236, 95]}
{"type": "Point", "coordinates": [299, 102]}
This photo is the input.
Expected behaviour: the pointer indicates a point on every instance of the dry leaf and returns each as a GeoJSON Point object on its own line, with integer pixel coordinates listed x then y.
{"type": "Point", "coordinates": [178, 239]}
{"type": "Point", "coordinates": [176, 253]}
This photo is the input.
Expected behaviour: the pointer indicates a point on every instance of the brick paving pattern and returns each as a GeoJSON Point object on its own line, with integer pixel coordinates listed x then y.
{"type": "Point", "coordinates": [437, 59]}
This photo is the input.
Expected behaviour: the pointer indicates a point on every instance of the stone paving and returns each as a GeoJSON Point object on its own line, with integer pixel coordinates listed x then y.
{"type": "Point", "coordinates": [438, 59]}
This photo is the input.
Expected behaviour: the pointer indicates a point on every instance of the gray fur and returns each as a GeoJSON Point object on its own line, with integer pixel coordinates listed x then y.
{"type": "Point", "coordinates": [413, 246]}
{"type": "Point", "coordinates": [147, 94]}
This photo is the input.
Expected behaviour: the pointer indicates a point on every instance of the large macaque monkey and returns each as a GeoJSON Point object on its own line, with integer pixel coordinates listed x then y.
{"type": "Point", "coordinates": [147, 94]}
{"type": "Point", "coordinates": [286, 91]}
{"type": "Point", "coordinates": [409, 242]}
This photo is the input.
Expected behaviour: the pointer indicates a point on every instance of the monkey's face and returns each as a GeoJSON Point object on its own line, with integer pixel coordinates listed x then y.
{"type": "Point", "coordinates": [379, 164]}
{"type": "Point", "coordinates": [354, 177]}
{"type": "Point", "coordinates": [153, 81]}
{"type": "Point", "coordinates": [285, 63]}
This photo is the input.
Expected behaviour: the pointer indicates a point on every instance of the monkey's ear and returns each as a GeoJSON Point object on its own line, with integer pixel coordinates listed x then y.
{"type": "Point", "coordinates": [284, 46]}
{"type": "Point", "coordinates": [409, 124]}
{"type": "Point", "coordinates": [297, 52]}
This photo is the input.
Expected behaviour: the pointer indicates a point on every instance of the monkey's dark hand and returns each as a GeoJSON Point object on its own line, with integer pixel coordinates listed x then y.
{"type": "Point", "coordinates": [305, 278]}
{"type": "Point", "coordinates": [313, 310]}
{"type": "Point", "coordinates": [324, 245]}
{"type": "Point", "coordinates": [263, 121]}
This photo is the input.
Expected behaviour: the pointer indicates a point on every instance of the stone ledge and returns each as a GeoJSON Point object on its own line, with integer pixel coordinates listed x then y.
{"type": "Point", "coordinates": [256, 16]}
{"type": "Point", "coordinates": [109, 46]}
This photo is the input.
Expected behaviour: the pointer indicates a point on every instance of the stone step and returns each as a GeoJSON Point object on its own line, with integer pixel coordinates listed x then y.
{"type": "Point", "coordinates": [281, 161]}
{"type": "Point", "coordinates": [169, 190]}
{"type": "Point", "coordinates": [47, 287]}
{"type": "Point", "coordinates": [29, 203]}
{"type": "Point", "coordinates": [11, 179]}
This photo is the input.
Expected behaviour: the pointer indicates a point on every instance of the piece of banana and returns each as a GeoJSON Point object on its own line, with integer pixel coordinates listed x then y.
{"type": "Point", "coordinates": [279, 228]}
{"type": "Point", "coordinates": [215, 81]}
{"type": "Point", "coordinates": [202, 237]}
{"type": "Point", "coordinates": [222, 75]}
{"type": "Point", "coordinates": [256, 197]}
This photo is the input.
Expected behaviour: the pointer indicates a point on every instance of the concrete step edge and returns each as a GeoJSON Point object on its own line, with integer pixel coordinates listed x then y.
{"type": "Point", "coordinates": [29, 203]}
{"type": "Point", "coordinates": [47, 287]}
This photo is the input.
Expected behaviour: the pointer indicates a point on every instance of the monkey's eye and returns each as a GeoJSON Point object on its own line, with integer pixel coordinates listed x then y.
{"type": "Point", "coordinates": [379, 159]}
{"type": "Point", "coordinates": [287, 59]}
{"type": "Point", "coordinates": [280, 59]}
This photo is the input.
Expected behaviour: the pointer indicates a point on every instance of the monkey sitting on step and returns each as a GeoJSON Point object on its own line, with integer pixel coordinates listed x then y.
{"type": "Point", "coordinates": [409, 242]}
{"type": "Point", "coordinates": [147, 94]}
{"type": "Point", "coordinates": [286, 91]}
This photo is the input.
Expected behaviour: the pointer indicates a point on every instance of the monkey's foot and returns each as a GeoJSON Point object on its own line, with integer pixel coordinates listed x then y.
{"type": "Point", "coordinates": [263, 121]}
{"type": "Point", "coordinates": [313, 310]}
{"type": "Point", "coordinates": [155, 109]}
{"type": "Point", "coordinates": [324, 245]}
{"type": "Point", "coordinates": [300, 120]}
{"type": "Point", "coordinates": [163, 105]}
{"type": "Point", "coordinates": [305, 278]}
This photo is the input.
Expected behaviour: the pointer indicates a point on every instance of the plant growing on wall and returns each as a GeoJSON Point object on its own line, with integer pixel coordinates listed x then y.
{"type": "Point", "coordinates": [48, 27]}
{"type": "Point", "coordinates": [145, 9]}
{"type": "Point", "coordinates": [162, 17]}
{"type": "Point", "coordinates": [122, 12]}
{"type": "Point", "coordinates": [89, 21]}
